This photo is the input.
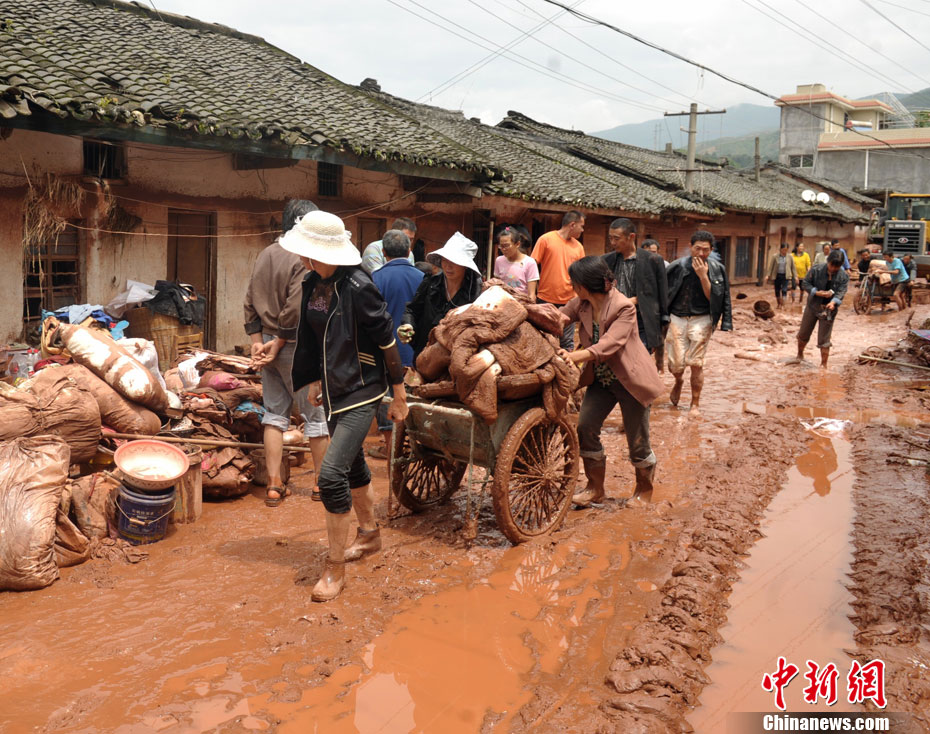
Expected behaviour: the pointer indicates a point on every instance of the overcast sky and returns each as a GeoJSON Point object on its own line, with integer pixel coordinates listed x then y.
{"type": "Point", "coordinates": [621, 80]}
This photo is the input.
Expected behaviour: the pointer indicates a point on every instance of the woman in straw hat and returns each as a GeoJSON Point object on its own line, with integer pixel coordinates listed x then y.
{"type": "Point", "coordinates": [346, 352]}
{"type": "Point", "coordinates": [457, 283]}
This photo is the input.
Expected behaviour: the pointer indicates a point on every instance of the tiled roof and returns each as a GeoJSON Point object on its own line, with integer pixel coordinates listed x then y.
{"type": "Point", "coordinates": [726, 189]}
{"type": "Point", "coordinates": [538, 172]}
{"type": "Point", "coordinates": [824, 184]}
{"type": "Point", "coordinates": [123, 64]}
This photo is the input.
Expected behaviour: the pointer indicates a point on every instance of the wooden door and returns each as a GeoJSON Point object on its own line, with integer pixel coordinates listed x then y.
{"type": "Point", "coordinates": [192, 260]}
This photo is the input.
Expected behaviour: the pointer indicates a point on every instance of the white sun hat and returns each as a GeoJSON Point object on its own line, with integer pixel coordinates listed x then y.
{"type": "Point", "coordinates": [459, 250]}
{"type": "Point", "coordinates": [323, 237]}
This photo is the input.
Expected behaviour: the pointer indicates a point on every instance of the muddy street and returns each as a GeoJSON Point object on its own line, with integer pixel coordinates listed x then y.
{"type": "Point", "coordinates": [770, 533]}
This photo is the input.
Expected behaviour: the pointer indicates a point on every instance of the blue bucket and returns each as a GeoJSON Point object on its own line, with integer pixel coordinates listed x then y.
{"type": "Point", "coordinates": [143, 518]}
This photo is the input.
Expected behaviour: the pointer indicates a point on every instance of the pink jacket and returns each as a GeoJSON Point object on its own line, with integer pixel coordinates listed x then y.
{"type": "Point", "coordinates": [619, 345]}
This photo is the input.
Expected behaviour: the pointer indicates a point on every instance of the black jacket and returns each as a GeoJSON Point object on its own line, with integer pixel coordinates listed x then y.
{"type": "Point", "coordinates": [651, 294]}
{"type": "Point", "coordinates": [719, 289]}
{"type": "Point", "coordinates": [359, 350]}
{"type": "Point", "coordinates": [430, 304]}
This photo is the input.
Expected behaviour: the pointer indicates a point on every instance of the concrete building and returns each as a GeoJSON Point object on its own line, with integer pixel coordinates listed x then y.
{"type": "Point", "coordinates": [872, 146]}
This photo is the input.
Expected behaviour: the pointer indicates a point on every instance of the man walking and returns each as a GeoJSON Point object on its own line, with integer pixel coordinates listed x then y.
{"type": "Point", "coordinates": [825, 285]}
{"type": "Point", "coordinates": [640, 276]}
{"type": "Point", "coordinates": [781, 271]}
{"type": "Point", "coordinates": [272, 308]}
{"type": "Point", "coordinates": [699, 299]}
{"type": "Point", "coordinates": [373, 257]}
{"type": "Point", "coordinates": [397, 280]}
{"type": "Point", "coordinates": [554, 252]}
{"type": "Point", "coordinates": [899, 277]}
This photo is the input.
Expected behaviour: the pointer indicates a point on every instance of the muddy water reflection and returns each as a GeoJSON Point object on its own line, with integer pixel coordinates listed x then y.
{"type": "Point", "coordinates": [468, 655]}
{"type": "Point", "coordinates": [791, 599]}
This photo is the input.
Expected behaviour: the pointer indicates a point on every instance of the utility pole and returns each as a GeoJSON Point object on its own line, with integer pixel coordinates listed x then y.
{"type": "Point", "coordinates": [692, 140]}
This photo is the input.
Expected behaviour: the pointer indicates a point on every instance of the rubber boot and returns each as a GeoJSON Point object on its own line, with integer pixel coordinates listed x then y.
{"type": "Point", "coordinates": [333, 578]}
{"type": "Point", "coordinates": [366, 543]}
{"type": "Point", "coordinates": [644, 477]}
{"type": "Point", "coordinates": [595, 470]}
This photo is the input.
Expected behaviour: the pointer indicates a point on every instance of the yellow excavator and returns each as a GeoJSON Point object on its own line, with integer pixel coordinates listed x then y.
{"type": "Point", "coordinates": [903, 226]}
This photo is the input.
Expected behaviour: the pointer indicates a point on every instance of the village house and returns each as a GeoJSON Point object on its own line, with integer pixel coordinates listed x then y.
{"type": "Point", "coordinates": [142, 145]}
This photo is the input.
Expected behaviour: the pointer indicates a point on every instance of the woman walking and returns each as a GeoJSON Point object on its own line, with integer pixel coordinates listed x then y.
{"type": "Point", "coordinates": [346, 353]}
{"type": "Point", "coordinates": [619, 369]}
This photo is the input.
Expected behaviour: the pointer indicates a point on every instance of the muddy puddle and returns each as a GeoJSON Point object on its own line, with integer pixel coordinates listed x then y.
{"type": "Point", "coordinates": [856, 415]}
{"type": "Point", "coordinates": [791, 599]}
{"type": "Point", "coordinates": [467, 657]}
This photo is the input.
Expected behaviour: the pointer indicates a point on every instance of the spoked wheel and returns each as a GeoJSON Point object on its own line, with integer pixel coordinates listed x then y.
{"type": "Point", "coordinates": [420, 480]}
{"type": "Point", "coordinates": [535, 476]}
{"type": "Point", "coordinates": [863, 302]}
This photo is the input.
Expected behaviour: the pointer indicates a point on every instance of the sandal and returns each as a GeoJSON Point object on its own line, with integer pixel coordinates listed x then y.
{"type": "Point", "coordinates": [282, 493]}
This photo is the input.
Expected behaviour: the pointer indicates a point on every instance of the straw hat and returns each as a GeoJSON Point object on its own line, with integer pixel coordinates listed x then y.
{"type": "Point", "coordinates": [322, 236]}
{"type": "Point", "coordinates": [459, 250]}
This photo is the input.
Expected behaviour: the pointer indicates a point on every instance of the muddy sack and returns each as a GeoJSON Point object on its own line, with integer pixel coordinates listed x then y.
{"type": "Point", "coordinates": [93, 504]}
{"type": "Point", "coordinates": [120, 414]}
{"type": "Point", "coordinates": [33, 472]}
{"type": "Point", "coordinates": [52, 403]}
{"type": "Point", "coordinates": [71, 545]}
{"type": "Point", "coordinates": [96, 350]}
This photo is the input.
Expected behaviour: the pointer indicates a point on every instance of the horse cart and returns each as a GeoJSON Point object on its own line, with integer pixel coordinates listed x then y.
{"type": "Point", "coordinates": [530, 461]}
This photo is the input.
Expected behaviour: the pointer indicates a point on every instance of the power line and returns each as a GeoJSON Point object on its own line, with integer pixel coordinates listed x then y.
{"type": "Point", "coordinates": [453, 80]}
{"type": "Point", "coordinates": [818, 41]}
{"type": "Point", "coordinates": [519, 59]}
{"type": "Point", "coordinates": [619, 63]}
{"type": "Point", "coordinates": [904, 7]}
{"type": "Point", "coordinates": [859, 40]}
{"type": "Point", "coordinates": [597, 21]}
{"type": "Point", "coordinates": [905, 32]}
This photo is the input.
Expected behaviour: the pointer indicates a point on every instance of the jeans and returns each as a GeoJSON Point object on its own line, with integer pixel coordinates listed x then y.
{"type": "Point", "coordinates": [596, 406]}
{"type": "Point", "coordinates": [344, 468]}
{"type": "Point", "coordinates": [781, 286]}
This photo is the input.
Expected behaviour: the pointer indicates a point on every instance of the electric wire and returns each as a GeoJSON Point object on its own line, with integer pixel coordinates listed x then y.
{"type": "Point", "coordinates": [903, 30]}
{"type": "Point", "coordinates": [726, 77]}
{"type": "Point", "coordinates": [904, 7]}
{"type": "Point", "coordinates": [578, 61]}
{"type": "Point", "coordinates": [519, 59]}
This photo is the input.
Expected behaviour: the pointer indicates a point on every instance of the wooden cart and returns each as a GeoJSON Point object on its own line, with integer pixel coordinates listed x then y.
{"type": "Point", "coordinates": [531, 461]}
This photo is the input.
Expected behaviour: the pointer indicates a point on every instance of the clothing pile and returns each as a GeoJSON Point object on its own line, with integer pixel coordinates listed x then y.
{"type": "Point", "coordinates": [500, 335]}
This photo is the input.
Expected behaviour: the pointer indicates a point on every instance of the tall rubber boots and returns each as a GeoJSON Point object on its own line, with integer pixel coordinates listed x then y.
{"type": "Point", "coordinates": [368, 536]}
{"type": "Point", "coordinates": [595, 470]}
{"type": "Point", "coordinates": [644, 478]}
{"type": "Point", "coordinates": [333, 577]}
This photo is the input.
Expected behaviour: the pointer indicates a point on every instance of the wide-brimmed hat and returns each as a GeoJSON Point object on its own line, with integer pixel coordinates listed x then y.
{"type": "Point", "coordinates": [459, 250]}
{"type": "Point", "coordinates": [323, 237]}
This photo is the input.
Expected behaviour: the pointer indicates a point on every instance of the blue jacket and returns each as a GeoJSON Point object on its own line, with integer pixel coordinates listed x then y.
{"type": "Point", "coordinates": [398, 280]}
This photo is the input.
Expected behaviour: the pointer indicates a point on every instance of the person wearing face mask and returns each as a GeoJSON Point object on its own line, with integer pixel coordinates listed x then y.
{"type": "Point", "coordinates": [515, 268]}
{"type": "Point", "coordinates": [456, 284]}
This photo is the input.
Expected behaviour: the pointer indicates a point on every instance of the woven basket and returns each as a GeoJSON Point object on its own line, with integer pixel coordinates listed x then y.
{"type": "Point", "coordinates": [164, 331]}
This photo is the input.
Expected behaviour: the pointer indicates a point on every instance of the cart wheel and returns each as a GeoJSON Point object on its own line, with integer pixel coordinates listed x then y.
{"type": "Point", "coordinates": [535, 475]}
{"type": "Point", "coordinates": [863, 302]}
{"type": "Point", "coordinates": [420, 482]}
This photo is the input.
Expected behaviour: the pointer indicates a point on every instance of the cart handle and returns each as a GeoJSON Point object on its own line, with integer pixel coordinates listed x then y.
{"type": "Point", "coordinates": [441, 409]}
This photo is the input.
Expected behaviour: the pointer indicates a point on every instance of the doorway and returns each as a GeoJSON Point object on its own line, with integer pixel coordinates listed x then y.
{"type": "Point", "coordinates": [192, 260]}
{"type": "Point", "coordinates": [760, 262]}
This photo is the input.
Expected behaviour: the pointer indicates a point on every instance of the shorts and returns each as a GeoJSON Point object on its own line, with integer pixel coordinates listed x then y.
{"type": "Point", "coordinates": [278, 396]}
{"type": "Point", "coordinates": [900, 288]}
{"type": "Point", "coordinates": [809, 319]}
{"type": "Point", "coordinates": [686, 341]}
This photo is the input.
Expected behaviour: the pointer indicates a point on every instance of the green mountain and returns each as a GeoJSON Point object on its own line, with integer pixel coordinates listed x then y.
{"type": "Point", "coordinates": [740, 151]}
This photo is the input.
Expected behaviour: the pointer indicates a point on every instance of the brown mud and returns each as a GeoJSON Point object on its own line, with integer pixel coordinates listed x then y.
{"type": "Point", "coordinates": [632, 617]}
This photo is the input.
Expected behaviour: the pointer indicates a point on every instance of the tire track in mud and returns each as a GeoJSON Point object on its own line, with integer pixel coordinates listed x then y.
{"type": "Point", "coordinates": [655, 679]}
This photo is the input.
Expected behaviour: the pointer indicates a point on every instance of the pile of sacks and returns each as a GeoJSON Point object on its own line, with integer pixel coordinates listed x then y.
{"type": "Point", "coordinates": [500, 334]}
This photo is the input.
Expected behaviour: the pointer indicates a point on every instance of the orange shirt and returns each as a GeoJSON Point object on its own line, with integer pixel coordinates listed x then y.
{"type": "Point", "coordinates": [554, 255]}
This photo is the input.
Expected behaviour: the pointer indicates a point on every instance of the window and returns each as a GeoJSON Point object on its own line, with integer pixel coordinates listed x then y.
{"type": "Point", "coordinates": [801, 161]}
{"type": "Point", "coordinates": [742, 266]}
{"type": "Point", "coordinates": [671, 250]}
{"type": "Point", "coordinates": [52, 274]}
{"type": "Point", "coordinates": [104, 160]}
{"type": "Point", "coordinates": [329, 179]}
